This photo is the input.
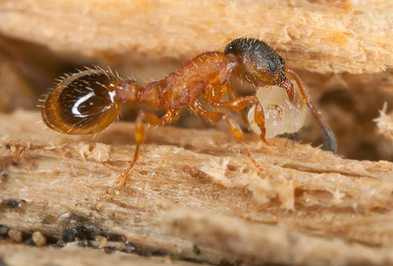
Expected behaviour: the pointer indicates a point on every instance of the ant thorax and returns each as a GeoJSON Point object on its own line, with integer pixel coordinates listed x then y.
{"type": "Point", "coordinates": [281, 115]}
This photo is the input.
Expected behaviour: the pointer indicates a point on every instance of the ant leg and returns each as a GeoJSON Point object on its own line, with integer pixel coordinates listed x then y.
{"type": "Point", "coordinates": [243, 114]}
{"type": "Point", "coordinates": [216, 93]}
{"type": "Point", "coordinates": [239, 104]}
{"type": "Point", "coordinates": [329, 139]}
{"type": "Point", "coordinates": [139, 134]}
{"type": "Point", "coordinates": [236, 132]}
{"type": "Point", "coordinates": [212, 117]}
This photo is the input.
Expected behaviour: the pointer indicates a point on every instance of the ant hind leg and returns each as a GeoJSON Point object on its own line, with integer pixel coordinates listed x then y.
{"type": "Point", "coordinates": [139, 134]}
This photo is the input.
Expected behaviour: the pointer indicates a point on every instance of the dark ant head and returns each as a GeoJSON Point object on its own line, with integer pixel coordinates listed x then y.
{"type": "Point", "coordinates": [258, 63]}
{"type": "Point", "coordinates": [83, 103]}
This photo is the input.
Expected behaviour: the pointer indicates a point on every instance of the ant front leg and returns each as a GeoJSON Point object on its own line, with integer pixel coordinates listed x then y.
{"type": "Point", "coordinates": [139, 134]}
{"type": "Point", "coordinates": [243, 113]}
{"type": "Point", "coordinates": [329, 139]}
{"type": "Point", "coordinates": [239, 104]}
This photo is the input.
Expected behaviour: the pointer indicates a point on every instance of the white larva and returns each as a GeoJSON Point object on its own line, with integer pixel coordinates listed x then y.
{"type": "Point", "coordinates": [281, 116]}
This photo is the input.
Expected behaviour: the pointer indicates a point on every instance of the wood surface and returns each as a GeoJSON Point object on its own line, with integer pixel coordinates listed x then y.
{"type": "Point", "coordinates": [194, 198]}
{"type": "Point", "coordinates": [193, 195]}
{"type": "Point", "coordinates": [320, 36]}
{"type": "Point", "coordinates": [20, 255]}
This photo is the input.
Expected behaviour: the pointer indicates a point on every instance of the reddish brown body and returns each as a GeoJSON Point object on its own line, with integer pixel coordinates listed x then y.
{"type": "Point", "coordinates": [87, 102]}
{"type": "Point", "coordinates": [189, 81]}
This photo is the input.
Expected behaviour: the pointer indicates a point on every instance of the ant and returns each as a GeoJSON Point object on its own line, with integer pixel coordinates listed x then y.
{"type": "Point", "coordinates": [89, 101]}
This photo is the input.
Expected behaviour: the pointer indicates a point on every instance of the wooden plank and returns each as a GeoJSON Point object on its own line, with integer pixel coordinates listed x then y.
{"type": "Point", "coordinates": [56, 184]}
{"type": "Point", "coordinates": [321, 36]}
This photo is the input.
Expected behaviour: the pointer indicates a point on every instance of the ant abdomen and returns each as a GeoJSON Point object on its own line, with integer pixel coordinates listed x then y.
{"type": "Point", "coordinates": [83, 103]}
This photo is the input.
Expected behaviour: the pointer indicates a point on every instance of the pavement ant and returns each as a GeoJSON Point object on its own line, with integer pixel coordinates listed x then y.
{"type": "Point", "coordinates": [90, 100]}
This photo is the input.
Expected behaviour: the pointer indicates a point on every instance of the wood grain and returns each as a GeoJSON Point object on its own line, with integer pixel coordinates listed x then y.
{"type": "Point", "coordinates": [321, 36]}
{"type": "Point", "coordinates": [194, 195]}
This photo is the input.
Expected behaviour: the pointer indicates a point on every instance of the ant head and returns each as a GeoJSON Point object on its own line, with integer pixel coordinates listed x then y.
{"type": "Point", "coordinates": [83, 103]}
{"type": "Point", "coordinates": [258, 62]}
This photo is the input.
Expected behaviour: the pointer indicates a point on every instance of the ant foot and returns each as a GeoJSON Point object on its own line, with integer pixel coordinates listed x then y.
{"type": "Point", "coordinates": [267, 146]}
{"type": "Point", "coordinates": [120, 181]}
{"type": "Point", "coordinates": [266, 142]}
{"type": "Point", "coordinates": [119, 184]}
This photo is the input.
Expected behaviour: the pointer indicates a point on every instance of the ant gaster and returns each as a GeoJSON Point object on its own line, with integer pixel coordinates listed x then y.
{"type": "Point", "coordinates": [90, 100]}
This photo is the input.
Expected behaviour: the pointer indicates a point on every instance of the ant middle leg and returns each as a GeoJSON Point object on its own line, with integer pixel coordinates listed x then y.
{"type": "Point", "coordinates": [236, 131]}
{"type": "Point", "coordinates": [150, 119]}
{"type": "Point", "coordinates": [239, 104]}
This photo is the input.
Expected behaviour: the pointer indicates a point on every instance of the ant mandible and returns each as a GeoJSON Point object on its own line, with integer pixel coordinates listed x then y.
{"type": "Point", "coordinates": [89, 101]}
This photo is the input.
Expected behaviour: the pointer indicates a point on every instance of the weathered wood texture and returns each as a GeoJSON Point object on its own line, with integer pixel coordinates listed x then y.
{"type": "Point", "coordinates": [193, 195]}
{"type": "Point", "coordinates": [321, 36]}
{"type": "Point", "coordinates": [18, 255]}
{"type": "Point", "coordinates": [385, 124]}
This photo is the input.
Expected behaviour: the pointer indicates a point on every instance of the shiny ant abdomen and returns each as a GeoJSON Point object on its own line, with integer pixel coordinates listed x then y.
{"type": "Point", "coordinates": [90, 100]}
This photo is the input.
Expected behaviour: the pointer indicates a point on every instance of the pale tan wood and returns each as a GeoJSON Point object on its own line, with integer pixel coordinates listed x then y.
{"type": "Point", "coordinates": [254, 243]}
{"type": "Point", "coordinates": [321, 36]}
{"type": "Point", "coordinates": [18, 255]}
{"type": "Point", "coordinates": [329, 202]}
{"type": "Point", "coordinates": [385, 123]}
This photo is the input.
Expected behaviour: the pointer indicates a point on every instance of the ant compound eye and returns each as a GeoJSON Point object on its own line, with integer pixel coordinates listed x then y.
{"type": "Point", "coordinates": [272, 66]}
{"type": "Point", "coordinates": [83, 103]}
{"type": "Point", "coordinates": [282, 62]}
{"type": "Point", "coordinates": [275, 63]}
